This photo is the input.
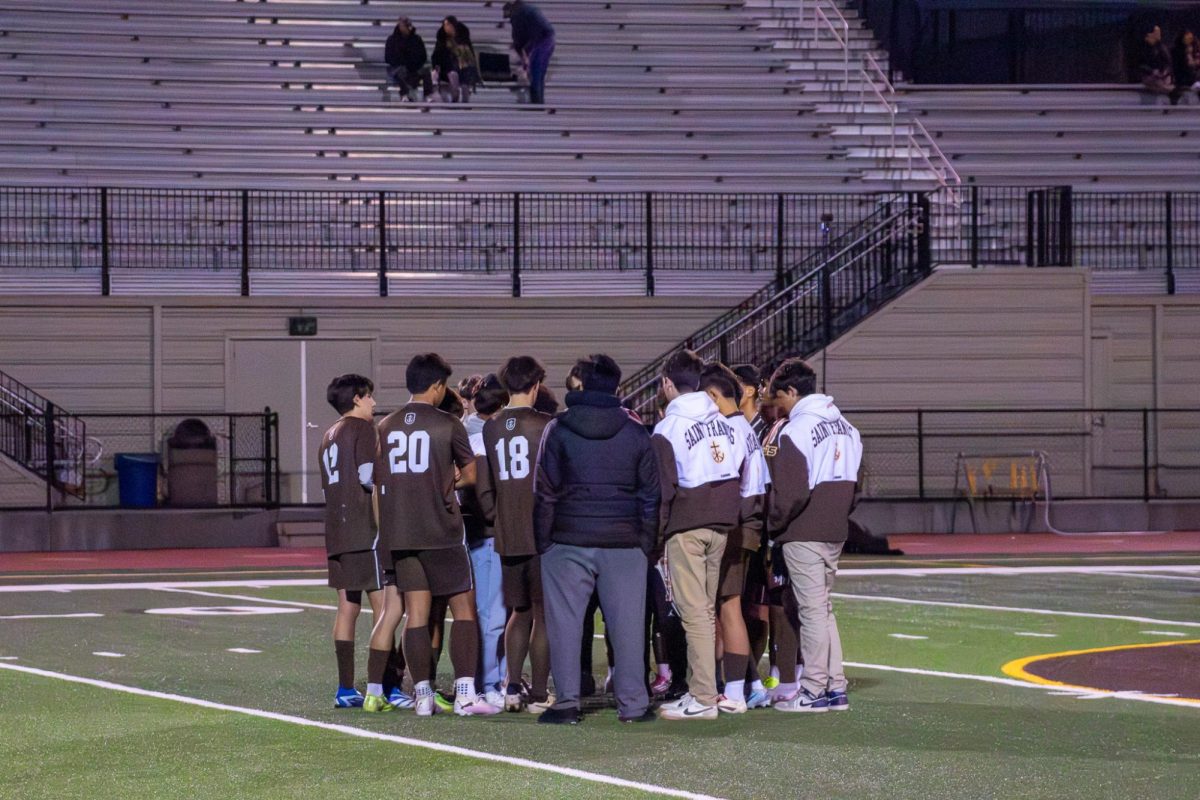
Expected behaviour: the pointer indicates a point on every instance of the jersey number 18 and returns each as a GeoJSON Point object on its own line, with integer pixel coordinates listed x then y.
{"type": "Point", "coordinates": [514, 464]}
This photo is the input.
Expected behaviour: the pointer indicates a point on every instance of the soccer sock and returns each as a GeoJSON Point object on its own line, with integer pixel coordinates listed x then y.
{"type": "Point", "coordinates": [393, 673]}
{"type": "Point", "coordinates": [539, 663]}
{"type": "Point", "coordinates": [344, 650]}
{"type": "Point", "coordinates": [786, 689]}
{"type": "Point", "coordinates": [376, 663]}
{"type": "Point", "coordinates": [423, 689]}
{"type": "Point", "coordinates": [757, 686]}
{"type": "Point", "coordinates": [516, 643]}
{"type": "Point", "coordinates": [464, 687]}
{"type": "Point", "coordinates": [464, 650]}
{"type": "Point", "coordinates": [664, 671]}
{"type": "Point", "coordinates": [417, 652]}
{"type": "Point", "coordinates": [735, 667]}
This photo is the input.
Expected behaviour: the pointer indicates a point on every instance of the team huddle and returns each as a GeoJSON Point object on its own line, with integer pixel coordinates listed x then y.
{"type": "Point", "coordinates": [701, 543]}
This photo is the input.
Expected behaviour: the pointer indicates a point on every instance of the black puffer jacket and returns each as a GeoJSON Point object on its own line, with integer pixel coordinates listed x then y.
{"type": "Point", "coordinates": [597, 478]}
{"type": "Point", "coordinates": [405, 51]}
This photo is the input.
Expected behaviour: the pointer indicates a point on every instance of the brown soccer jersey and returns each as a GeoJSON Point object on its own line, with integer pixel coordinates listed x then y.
{"type": "Point", "coordinates": [347, 456]}
{"type": "Point", "coordinates": [419, 448]}
{"type": "Point", "coordinates": [505, 489]}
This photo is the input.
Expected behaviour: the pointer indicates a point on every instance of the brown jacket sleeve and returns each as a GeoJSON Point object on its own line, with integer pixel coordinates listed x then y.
{"type": "Point", "coordinates": [668, 480]}
{"type": "Point", "coordinates": [750, 516]}
{"type": "Point", "coordinates": [789, 486]}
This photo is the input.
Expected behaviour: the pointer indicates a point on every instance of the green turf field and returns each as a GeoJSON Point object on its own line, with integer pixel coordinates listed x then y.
{"type": "Point", "coordinates": [952, 726]}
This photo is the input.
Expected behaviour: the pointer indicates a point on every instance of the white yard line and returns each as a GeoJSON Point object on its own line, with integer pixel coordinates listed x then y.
{"type": "Point", "coordinates": [266, 600]}
{"type": "Point", "coordinates": [80, 615]}
{"type": "Point", "coordinates": [107, 654]}
{"type": "Point", "coordinates": [245, 650]}
{"type": "Point", "coordinates": [1089, 694]}
{"type": "Point", "coordinates": [1179, 634]}
{"type": "Point", "coordinates": [349, 730]}
{"type": "Point", "coordinates": [1042, 635]}
{"type": "Point", "coordinates": [907, 636]}
{"type": "Point", "coordinates": [1016, 609]}
{"type": "Point", "coordinates": [1157, 577]}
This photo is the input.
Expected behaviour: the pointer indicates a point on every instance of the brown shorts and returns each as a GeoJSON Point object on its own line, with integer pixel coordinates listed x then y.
{"type": "Point", "coordinates": [359, 571]}
{"type": "Point", "coordinates": [521, 580]}
{"type": "Point", "coordinates": [732, 579]}
{"type": "Point", "coordinates": [442, 572]}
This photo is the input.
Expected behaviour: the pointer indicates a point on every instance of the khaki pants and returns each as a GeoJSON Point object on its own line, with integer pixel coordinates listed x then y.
{"type": "Point", "coordinates": [811, 568]}
{"type": "Point", "coordinates": [694, 558]}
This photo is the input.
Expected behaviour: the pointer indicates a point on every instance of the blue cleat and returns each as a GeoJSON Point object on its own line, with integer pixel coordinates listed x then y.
{"type": "Point", "coordinates": [838, 700]}
{"type": "Point", "coordinates": [399, 699]}
{"type": "Point", "coordinates": [347, 698]}
{"type": "Point", "coordinates": [758, 700]}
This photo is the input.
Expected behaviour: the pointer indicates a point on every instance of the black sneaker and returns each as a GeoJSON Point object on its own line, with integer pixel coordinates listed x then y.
{"type": "Point", "coordinates": [645, 716]}
{"type": "Point", "coordinates": [560, 716]}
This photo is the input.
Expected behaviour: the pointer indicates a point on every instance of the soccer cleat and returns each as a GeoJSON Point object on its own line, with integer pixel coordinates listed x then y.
{"type": "Point", "coordinates": [473, 707]}
{"type": "Point", "coordinates": [731, 705]}
{"type": "Point", "coordinates": [804, 701]}
{"type": "Point", "coordinates": [494, 698]}
{"type": "Point", "coordinates": [693, 709]}
{"type": "Point", "coordinates": [374, 704]}
{"type": "Point", "coordinates": [560, 716]}
{"type": "Point", "coordinates": [838, 700]}
{"type": "Point", "coordinates": [660, 686]}
{"type": "Point", "coordinates": [514, 702]}
{"type": "Point", "coordinates": [425, 705]}
{"type": "Point", "coordinates": [399, 699]}
{"type": "Point", "coordinates": [538, 706]}
{"type": "Point", "coordinates": [347, 698]}
{"type": "Point", "coordinates": [443, 702]}
{"type": "Point", "coordinates": [770, 681]}
{"type": "Point", "coordinates": [758, 700]}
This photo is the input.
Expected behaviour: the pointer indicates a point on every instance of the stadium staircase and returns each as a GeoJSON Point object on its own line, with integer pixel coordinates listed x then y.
{"type": "Point", "coordinates": [42, 440]}
{"type": "Point", "coordinates": [814, 302]}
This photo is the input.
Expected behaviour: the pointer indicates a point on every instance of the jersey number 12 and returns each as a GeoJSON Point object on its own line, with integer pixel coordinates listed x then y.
{"type": "Point", "coordinates": [329, 459]}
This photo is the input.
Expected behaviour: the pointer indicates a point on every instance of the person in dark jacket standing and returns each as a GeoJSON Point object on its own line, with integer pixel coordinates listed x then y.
{"type": "Point", "coordinates": [533, 39]}
{"type": "Point", "coordinates": [407, 60]}
{"type": "Point", "coordinates": [595, 521]}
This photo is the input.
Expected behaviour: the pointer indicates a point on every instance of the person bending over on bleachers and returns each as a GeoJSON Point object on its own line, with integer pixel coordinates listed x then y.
{"type": "Point", "coordinates": [1154, 66]}
{"type": "Point", "coordinates": [1185, 64]}
{"type": "Point", "coordinates": [533, 39]}
{"type": "Point", "coordinates": [408, 60]}
{"type": "Point", "coordinates": [455, 62]}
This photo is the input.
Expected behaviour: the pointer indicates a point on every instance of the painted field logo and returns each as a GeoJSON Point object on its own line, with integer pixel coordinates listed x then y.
{"type": "Point", "coordinates": [410, 418]}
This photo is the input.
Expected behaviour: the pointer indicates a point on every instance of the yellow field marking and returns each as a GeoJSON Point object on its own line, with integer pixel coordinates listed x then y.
{"type": "Point", "coordinates": [1016, 669]}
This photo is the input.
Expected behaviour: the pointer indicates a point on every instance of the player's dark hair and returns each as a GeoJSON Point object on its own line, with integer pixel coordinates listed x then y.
{"type": "Point", "coordinates": [545, 401]}
{"type": "Point", "coordinates": [683, 367]}
{"type": "Point", "coordinates": [601, 374]}
{"type": "Point", "coordinates": [469, 385]}
{"type": "Point", "coordinates": [520, 373]}
{"type": "Point", "coordinates": [452, 403]}
{"type": "Point", "coordinates": [795, 373]}
{"type": "Point", "coordinates": [720, 377]}
{"type": "Point", "coordinates": [424, 371]}
{"type": "Point", "coordinates": [748, 375]}
{"type": "Point", "coordinates": [344, 389]}
{"type": "Point", "coordinates": [576, 373]}
{"type": "Point", "coordinates": [491, 396]}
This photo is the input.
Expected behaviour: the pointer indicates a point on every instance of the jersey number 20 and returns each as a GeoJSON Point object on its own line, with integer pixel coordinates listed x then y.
{"type": "Point", "coordinates": [516, 464]}
{"type": "Point", "coordinates": [409, 453]}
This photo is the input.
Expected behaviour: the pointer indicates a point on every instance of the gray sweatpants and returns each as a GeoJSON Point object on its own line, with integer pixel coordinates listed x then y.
{"type": "Point", "coordinates": [811, 569]}
{"type": "Point", "coordinates": [569, 574]}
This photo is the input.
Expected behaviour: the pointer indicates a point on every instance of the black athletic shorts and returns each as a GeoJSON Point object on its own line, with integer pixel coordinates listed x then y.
{"type": "Point", "coordinates": [521, 580]}
{"type": "Point", "coordinates": [359, 571]}
{"type": "Point", "coordinates": [442, 572]}
{"type": "Point", "coordinates": [732, 581]}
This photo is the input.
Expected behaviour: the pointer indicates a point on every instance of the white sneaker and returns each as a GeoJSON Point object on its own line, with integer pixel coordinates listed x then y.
{"type": "Point", "coordinates": [693, 710]}
{"type": "Point", "coordinates": [494, 698]}
{"type": "Point", "coordinates": [731, 705]}
{"type": "Point", "coordinates": [538, 707]}
{"type": "Point", "coordinates": [677, 705]}
{"type": "Point", "coordinates": [473, 707]}
{"type": "Point", "coordinates": [425, 705]}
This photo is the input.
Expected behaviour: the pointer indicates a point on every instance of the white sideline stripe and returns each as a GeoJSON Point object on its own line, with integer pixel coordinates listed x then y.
{"type": "Point", "coordinates": [494, 758]}
{"type": "Point", "coordinates": [853, 572]}
{"type": "Point", "coordinates": [80, 615]}
{"type": "Point", "coordinates": [242, 650]}
{"type": "Point", "coordinates": [108, 654]}
{"type": "Point", "coordinates": [1016, 609]}
{"type": "Point", "coordinates": [1145, 698]}
{"type": "Point", "coordinates": [1164, 633]}
{"type": "Point", "coordinates": [906, 636]}
{"type": "Point", "coordinates": [8, 658]}
{"type": "Point", "coordinates": [252, 598]}
{"type": "Point", "coordinates": [1043, 635]}
{"type": "Point", "coordinates": [1156, 577]}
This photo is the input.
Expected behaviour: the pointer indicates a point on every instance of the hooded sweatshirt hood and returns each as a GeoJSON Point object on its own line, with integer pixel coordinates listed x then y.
{"type": "Point", "coordinates": [817, 405]}
{"type": "Point", "coordinates": [594, 415]}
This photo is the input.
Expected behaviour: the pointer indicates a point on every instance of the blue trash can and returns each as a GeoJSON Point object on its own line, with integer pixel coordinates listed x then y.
{"type": "Point", "coordinates": [137, 479]}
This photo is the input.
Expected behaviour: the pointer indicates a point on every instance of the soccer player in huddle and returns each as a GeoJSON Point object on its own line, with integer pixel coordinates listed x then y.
{"type": "Point", "coordinates": [702, 464]}
{"type": "Point", "coordinates": [347, 455]}
{"type": "Point", "coordinates": [425, 455]}
{"type": "Point", "coordinates": [511, 439]}
{"type": "Point", "coordinates": [721, 384]}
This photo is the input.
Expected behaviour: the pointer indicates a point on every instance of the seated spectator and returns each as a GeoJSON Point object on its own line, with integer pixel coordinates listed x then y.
{"type": "Point", "coordinates": [407, 60]}
{"type": "Point", "coordinates": [455, 62]}
{"type": "Point", "coordinates": [1154, 66]}
{"type": "Point", "coordinates": [533, 39]}
{"type": "Point", "coordinates": [1185, 66]}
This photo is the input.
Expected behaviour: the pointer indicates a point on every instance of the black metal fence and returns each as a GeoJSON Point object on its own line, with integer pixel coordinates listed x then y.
{"type": "Point", "coordinates": [236, 465]}
{"type": "Point", "coordinates": [1138, 454]}
{"type": "Point", "coordinates": [385, 233]}
{"type": "Point", "coordinates": [41, 438]}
